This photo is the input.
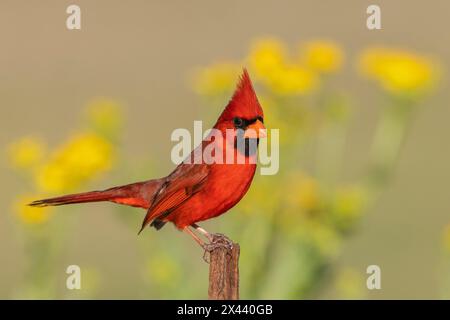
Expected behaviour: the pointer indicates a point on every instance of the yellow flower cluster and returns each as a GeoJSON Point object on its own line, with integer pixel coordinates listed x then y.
{"type": "Point", "coordinates": [273, 67]}
{"type": "Point", "coordinates": [83, 157]}
{"type": "Point", "coordinates": [323, 56]}
{"type": "Point", "coordinates": [398, 71]}
{"type": "Point", "coordinates": [284, 75]}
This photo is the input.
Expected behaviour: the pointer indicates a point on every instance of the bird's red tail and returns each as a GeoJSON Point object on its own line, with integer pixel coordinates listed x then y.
{"type": "Point", "coordinates": [92, 196]}
{"type": "Point", "coordinates": [137, 195]}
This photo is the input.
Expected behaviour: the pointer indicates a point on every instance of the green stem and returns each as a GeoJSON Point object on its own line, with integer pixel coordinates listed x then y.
{"type": "Point", "coordinates": [387, 143]}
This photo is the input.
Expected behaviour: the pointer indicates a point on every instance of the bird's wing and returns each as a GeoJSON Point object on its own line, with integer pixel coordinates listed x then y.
{"type": "Point", "coordinates": [185, 181]}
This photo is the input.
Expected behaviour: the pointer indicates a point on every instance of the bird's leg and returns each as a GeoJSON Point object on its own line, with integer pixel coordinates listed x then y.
{"type": "Point", "coordinates": [208, 235]}
{"type": "Point", "coordinates": [200, 242]}
{"type": "Point", "coordinates": [216, 239]}
{"type": "Point", "coordinates": [193, 235]}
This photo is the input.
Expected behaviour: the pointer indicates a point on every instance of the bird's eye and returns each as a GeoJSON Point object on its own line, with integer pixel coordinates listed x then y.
{"type": "Point", "coordinates": [238, 122]}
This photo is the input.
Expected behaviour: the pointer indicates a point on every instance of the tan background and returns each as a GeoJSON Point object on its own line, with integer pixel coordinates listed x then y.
{"type": "Point", "coordinates": [142, 52]}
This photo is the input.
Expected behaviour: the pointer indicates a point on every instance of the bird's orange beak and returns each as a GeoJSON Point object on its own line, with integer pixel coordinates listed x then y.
{"type": "Point", "coordinates": [255, 130]}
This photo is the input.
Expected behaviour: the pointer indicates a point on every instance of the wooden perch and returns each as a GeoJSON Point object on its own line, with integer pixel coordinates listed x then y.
{"type": "Point", "coordinates": [224, 270]}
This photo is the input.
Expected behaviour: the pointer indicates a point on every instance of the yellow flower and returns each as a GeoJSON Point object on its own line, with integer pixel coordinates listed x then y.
{"type": "Point", "coordinates": [266, 56]}
{"type": "Point", "coordinates": [217, 79]}
{"type": "Point", "coordinates": [83, 157]}
{"type": "Point", "coordinates": [398, 71]}
{"type": "Point", "coordinates": [322, 56]}
{"type": "Point", "coordinates": [291, 80]}
{"type": "Point", "coordinates": [30, 215]}
{"type": "Point", "coordinates": [105, 116]}
{"type": "Point", "coordinates": [269, 61]}
{"type": "Point", "coordinates": [26, 152]}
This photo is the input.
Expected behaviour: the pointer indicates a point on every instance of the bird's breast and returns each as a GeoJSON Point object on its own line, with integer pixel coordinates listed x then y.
{"type": "Point", "coordinates": [227, 185]}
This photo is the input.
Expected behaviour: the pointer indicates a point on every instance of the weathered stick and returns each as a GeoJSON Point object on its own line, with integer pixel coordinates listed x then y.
{"type": "Point", "coordinates": [224, 273]}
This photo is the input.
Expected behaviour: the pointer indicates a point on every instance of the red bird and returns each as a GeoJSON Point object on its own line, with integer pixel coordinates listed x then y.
{"type": "Point", "coordinates": [195, 191]}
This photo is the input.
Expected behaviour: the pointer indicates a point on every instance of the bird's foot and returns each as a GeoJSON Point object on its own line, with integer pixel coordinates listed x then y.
{"type": "Point", "coordinates": [218, 240]}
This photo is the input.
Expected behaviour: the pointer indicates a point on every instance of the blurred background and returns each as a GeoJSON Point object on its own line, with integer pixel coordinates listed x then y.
{"type": "Point", "coordinates": [362, 117]}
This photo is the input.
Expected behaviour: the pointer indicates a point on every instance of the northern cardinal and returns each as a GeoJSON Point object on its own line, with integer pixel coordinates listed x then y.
{"type": "Point", "coordinates": [194, 191]}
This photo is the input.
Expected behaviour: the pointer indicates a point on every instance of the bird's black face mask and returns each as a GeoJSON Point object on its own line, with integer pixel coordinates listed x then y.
{"type": "Point", "coordinates": [245, 146]}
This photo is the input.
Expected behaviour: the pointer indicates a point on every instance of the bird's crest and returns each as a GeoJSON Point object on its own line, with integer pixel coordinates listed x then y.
{"type": "Point", "coordinates": [244, 102]}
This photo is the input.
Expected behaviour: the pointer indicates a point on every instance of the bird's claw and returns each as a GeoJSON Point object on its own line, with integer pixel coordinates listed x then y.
{"type": "Point", "coordinates": [218, 240]}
